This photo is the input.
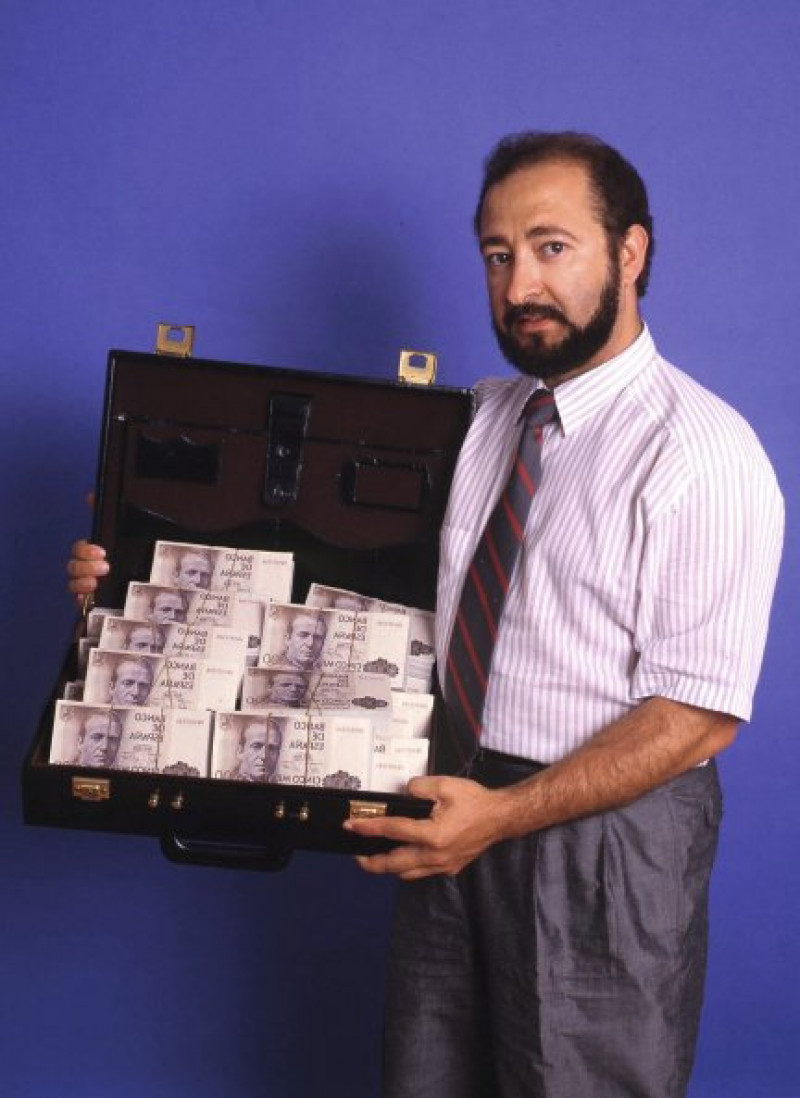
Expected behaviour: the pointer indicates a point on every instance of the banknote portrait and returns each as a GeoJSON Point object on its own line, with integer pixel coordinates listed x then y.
{"type": "Point", "coordinates": [304, 640]}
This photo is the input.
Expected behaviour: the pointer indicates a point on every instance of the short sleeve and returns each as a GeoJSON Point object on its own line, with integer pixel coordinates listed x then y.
{"type": "Point", "coordinates": [708, 575]}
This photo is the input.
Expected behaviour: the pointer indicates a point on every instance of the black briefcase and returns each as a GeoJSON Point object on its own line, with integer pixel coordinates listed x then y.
{"type": "Point", "coordinates": [350, 474]}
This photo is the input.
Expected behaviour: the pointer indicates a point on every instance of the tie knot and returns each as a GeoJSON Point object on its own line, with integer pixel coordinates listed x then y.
{"type": "Point", "coordinates": [540, 408]}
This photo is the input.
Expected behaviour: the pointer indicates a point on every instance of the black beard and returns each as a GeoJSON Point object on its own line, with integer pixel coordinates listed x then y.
{"type": "Point", "coordinates": [577, 347]}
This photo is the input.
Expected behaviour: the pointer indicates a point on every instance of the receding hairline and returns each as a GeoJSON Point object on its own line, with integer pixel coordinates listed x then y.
{"type": "Point", "coordinates": [109, 718]}
{"type": "Point", "coordinates": [545, 160]}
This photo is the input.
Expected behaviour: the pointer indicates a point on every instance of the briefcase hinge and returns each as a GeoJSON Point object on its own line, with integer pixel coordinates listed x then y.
{"type": "Point", "coordinates": [91, 789]}
{"type": "Point", "coordinates": [417, 367]}
{"type": "Point", "coordinates": [367, 810]}
{"type": "Point", "coordinates": [175, 339]}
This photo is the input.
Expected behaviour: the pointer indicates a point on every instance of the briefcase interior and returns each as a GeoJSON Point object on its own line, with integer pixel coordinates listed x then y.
{"type": "Point", "coordinates": [350, 474]}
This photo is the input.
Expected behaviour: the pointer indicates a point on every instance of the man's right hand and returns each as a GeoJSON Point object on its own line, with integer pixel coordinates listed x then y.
{"type": "Point", "coordinates": [86, 566]}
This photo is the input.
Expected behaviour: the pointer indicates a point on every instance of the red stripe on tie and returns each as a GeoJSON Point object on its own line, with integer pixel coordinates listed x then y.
{"type": "Point", "coordinates": [513, 521]}
{"type": "Point", "coordinates": [496, 561]}
{"type": "Point", "coordinates": [470, 647]}
{"type": "Point", "coordinates": [525, 477]}
{"type": "Point", "coordinates": [465, 702]}
{"type": "Point", "coordinates": [480, 591]}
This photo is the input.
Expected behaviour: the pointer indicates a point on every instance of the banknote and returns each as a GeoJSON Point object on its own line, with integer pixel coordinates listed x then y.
{"type": "Point", "coordinates": [333, 641]}
{"type": "Point", "coordinates": [85, 646]}
{"type": "Point", "coordinates": [154, 740]}
{"type": "Point", "coordinates": [96, 617]}
{"type": "Point", "coordinates": [370, 694]}
{"type": "Point", "coordinates": [217, 643]}
{"type": "Point", "coordinates": [420, 654]}
{"type": "Point", "coordinates": [293, 747]}
{"type": "Point", "coordinates": [162, 605]}
{"type": "Point", "coordinates": [212, 567]}
{"type": "Point", "coordinates": [248, 617]}
{"type": "Point", "coordinates": [395, 761]}
{"type": "Point", "coordinates": [174, 682]}
{"type": "Point", "coordinates": [412, 715]}
{"type": "Point", "coordinates": [332, 751]}
{"type": "Point", "coordinates": [247, 746]}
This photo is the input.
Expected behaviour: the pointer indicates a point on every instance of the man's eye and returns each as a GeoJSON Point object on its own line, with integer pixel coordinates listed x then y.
{"type": "Point", "coordinates": [554, 247]}
{"type": "Point", "coordinates": [496, 259]}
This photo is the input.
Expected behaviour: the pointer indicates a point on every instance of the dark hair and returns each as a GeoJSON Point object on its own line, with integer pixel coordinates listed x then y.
{"type": "Point", "coordinates": [108, 713]}
{"type": "Point", "coordinates": [159, 591]}
{"type": "Point", "coordinates": [269, 722]}
{"type": "Point", "coordinates": [619, 191]}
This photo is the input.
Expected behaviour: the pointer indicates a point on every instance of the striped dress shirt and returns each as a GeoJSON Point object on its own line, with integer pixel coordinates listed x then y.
{"type": "Point", "coordinates": [649, 560]}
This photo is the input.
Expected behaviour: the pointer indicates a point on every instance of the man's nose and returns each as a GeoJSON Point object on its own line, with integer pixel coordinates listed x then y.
{"type": "Point", "coordinates": [525, 281]}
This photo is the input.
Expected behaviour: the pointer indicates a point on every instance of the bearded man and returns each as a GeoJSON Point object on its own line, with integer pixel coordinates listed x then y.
{"type": "Point", "coordinates": [598, 648]}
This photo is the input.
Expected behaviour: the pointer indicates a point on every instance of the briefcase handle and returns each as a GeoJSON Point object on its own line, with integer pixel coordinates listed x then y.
{"type": "Point", "coordinates": [224, 855]}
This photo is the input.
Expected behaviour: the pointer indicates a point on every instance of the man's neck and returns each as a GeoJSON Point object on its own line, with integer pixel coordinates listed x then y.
{"type": "Point", "coordinates": [621, 339]}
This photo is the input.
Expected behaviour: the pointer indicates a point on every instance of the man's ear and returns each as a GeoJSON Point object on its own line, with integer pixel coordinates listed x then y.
{"type": "Point", "coordinates": [633, 253]}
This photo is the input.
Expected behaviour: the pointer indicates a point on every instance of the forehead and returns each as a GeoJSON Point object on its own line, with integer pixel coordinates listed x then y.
{"type": "Point", "coordinates": [168, 598]}
{"type": "Point", "coordinates": [195, 560]}
{"type": "Point", "coordinates": [554, 194]}
{"type": "Point", "coordinates": [128, 668]}
{"type": "Point", "coordinates": [255, 732]}
{"type": "Point", "coordinates": [101, 723]}
{"type": "Point", "coordinates": [305, 623]}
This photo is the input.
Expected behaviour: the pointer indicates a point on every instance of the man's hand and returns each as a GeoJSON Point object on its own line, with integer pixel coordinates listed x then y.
{"type": "Point", "coordinates": [655, 742]}
{"type": "Point", "coordinates": [86, 566]}
{"type": "Point", "coordinates": [466, 819]}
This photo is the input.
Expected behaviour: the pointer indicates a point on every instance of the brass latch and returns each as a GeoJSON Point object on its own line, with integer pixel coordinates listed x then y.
{"type": "Point", "coordinates": [175, 339]}
{"type": "Point", "coordinates": [91, 789]}
{"type": "Point", "coordinates": [367, 810]}
{"type": "Point", "coordinates": [417, 367]}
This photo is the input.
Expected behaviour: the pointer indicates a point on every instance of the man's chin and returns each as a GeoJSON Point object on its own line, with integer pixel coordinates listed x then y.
{"type": "Point", "coordinates": [532, 354]}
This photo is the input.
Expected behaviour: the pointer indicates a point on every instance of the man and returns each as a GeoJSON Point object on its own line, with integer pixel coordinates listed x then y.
{"type": "Point", "coordinates": [194, 569]}
{"type": "Point", "coordinates": [551, 928]}
{"type": "Point", "coordinates": [259, 750]}
{"type": "Point", "coordinates": [98, 740]}
{"type": "Point", "coordinates": [305, 636]}
{"type": "Point", "coordinates": [551, 931]}
{"type": "Point", "coordinates": [146, 638]}
{"type": "Point", "coordinates": [168, 606]}
{"type": "Point", "coordinates": [289, 688]}
{"type": "Point", "coordinates": [130, 682]}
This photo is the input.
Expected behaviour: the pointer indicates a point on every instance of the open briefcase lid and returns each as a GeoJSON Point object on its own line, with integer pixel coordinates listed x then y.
{"type": "Point", "coordinates": [349, 474]}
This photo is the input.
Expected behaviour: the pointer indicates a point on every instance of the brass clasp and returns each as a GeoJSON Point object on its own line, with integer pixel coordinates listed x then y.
{"type": "Point", "coordinates": [91, 789]}
{"type": "Point", "coordinates": [367, 810]}
{"type": "Point", "coordinates": [175, 339]}
{"type": "Point", "coordinates": [417, 367]}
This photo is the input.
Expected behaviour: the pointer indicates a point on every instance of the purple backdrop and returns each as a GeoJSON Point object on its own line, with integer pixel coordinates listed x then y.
{"type": "Point", "coordinates": [297, 180]}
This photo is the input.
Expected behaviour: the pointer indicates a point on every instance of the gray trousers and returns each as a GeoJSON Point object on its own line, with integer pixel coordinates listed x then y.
{"type": "Point", "coordinates": [566, 964]}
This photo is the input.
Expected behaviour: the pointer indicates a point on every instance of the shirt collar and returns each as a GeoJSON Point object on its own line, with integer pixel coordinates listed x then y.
{"type": "Point", "coordinates": [581, 397]}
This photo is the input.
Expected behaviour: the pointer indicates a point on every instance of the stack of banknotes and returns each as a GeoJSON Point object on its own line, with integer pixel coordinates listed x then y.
{"type": "Point", "coordinates": [210, 670]}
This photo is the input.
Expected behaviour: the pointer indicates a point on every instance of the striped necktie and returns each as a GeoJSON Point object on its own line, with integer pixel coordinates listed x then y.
{"type": "Point", "coordinates": [486, 584]}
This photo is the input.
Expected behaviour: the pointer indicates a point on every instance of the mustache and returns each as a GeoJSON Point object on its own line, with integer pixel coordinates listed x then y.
{"type": "Point", "coordinates": [514, 313]}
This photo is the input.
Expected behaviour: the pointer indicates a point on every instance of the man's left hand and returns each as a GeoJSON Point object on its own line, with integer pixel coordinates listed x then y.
{"type": "Point", "coordinates": [465, 820]}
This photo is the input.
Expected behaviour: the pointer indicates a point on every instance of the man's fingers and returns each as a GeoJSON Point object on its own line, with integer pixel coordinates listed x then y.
{"type": "Point", "coordinates": [86, 565]}
{"type": "Point", "coordinates": [80, 569]}
{"type": "Point", "coordinates": [407, 862]}
{"type": "Point", "coordinates": [86, 550]}
{"type": "Point", "coordinates": [83, 585]}
{"type": "Point", "coordinates": [397, 828]}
